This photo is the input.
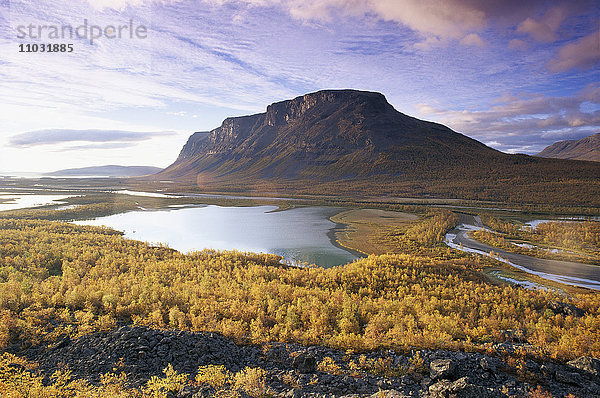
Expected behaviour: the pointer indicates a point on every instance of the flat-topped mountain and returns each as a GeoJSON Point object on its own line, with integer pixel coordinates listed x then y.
{"type": "Point", "coordinates": [355, 142]}
{"type": "Point", "coordinates": [332, 134]}
{"type": "Point", "coordinates": [587, 148]}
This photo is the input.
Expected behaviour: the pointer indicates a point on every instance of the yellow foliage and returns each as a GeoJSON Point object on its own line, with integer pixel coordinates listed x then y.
{"type": "Point", "coordinates": [398, 301]}
{"type": "Point", "coordinates": [328, 365]}
{"type": "Point", "coordinates": [213, 375]}
{"type": "Point", "coordinates": [159, 387]}
{"type": "Point", "coordinates": [20, 379]}
{"type": "Point", "coordinates": [252, 381]}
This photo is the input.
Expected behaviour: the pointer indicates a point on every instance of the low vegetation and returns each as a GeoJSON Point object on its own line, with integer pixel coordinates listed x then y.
{"type": "Point", "coordinates": [59, 279]}
{"type": "Point", "coordinates": [571, 241]}
{"type": "Point", "coordinates": [21, 378]}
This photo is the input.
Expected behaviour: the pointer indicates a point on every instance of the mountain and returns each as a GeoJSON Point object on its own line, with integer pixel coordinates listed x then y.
{"type": "Point", "coordinates": [328, 134]}
{"type": "Point", "coordinates": [587, 148]}
{"type": "Point", "coordinates": [107, 171]}
{"type": "Point", "coordinates": [355, 143]}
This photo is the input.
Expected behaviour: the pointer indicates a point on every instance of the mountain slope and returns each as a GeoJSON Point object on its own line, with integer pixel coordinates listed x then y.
{"type": "Point", "coordinates": [327, 135]}
{"type": "Point", "coordinates": [355, 143]}
{"type": "Point", "coordinates": [587, 148]}
{"type": "Point", "coordinates": [108, 171]}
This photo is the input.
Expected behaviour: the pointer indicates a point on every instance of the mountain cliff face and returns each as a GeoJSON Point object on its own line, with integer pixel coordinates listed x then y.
{"type": "Point", "coordinates": [587, 148]}
{"type": "Point", "coordinates": [352, 142]}
{"type": "Point", "coordinates": [325, 135]}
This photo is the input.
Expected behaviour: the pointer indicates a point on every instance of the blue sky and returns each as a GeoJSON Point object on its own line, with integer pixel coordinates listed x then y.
{"type": "Point", "coordinates": [516, 75]}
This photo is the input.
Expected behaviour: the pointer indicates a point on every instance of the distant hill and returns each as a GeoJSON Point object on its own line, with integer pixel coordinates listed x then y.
{"type": "Point", "coordinates": [107, 171]}
{"type": "Point", "coordinates": [352, 142]}
{"type": "Point", "coordinates": [587, 148]}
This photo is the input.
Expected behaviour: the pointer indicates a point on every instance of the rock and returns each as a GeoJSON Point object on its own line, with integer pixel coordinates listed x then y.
{"type": "Point", "coordinates": [587, 364]}
{"type": "Point", "coordinates": [461, 388]}
{"type": "Point", "coordinates": [62, 343]}
{"type": "Point", "coordinates": [460, 356]}
{"type": "Point", "coordinates": [563, 376]}
{"type": "Point", "coordinates": [486, 364]}
{"type": "Point", "coordinates": [440, 389]}
{"type": "Point", "coordinates": [441, 369]}
{"type": "Point", "coordinates": [388, 394]}
{"type": "Point", "coordinates": [405, 379]}
{"type": "Point", "coordinates": [142, 352]}
{"type": "Point", "coordinates": [305, 363]}
{"type": "Point", "coordinates": [548, 368]}
{"type": "Point", "coordinates": [187, 392]}
{"type": "Point", "coordinates": [205, 392]}
{"type": "Point", "coordinates": [513, 336]}
{"type": "Point", "coordinates": [565, 309]}
{"type": "Point", "coordinates": [16, 366]}
{"type": "Point", "coordinates": [293, 393]}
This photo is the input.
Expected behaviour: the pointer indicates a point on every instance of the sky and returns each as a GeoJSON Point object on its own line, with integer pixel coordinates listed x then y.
{"type": "Point", "coordinates": [143, 75]}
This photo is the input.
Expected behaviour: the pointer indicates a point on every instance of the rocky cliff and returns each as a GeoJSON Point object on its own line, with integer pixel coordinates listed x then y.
{"type": "Point", "coordinates": [328, 134]}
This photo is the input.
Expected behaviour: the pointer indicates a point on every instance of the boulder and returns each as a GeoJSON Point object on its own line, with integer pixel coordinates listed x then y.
{"type": "Point", "coordinates": [487, 364]}
{"type": "Point", "coordinates": [388, 394]}
{"type": "Point", "coordinates": [563, 376]}
{"type": "Point", "coordinates": [305, 363]}
{"type": "Point", "coordinates": [461, 388]}
{"type": "Point", "coordinates": [587, 364]}
{"type": "Point", "coordinates": [441, 369]}
{"type": "Point", "coordinates": [565, 309]}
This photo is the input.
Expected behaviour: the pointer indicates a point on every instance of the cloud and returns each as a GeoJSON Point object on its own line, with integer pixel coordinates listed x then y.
{"type": "Point", "coordinates": [472, 39]}
{"type": "Point", "coordinates": [581, 54]}
{"type": "Point", "coordinates": [437, 21]}
{"type": "Point", "coordinates": [57, 136]}
{"type": "Point", "coordinates": [120, 4]}
{"type": "Point", "coordinates": [108, 145]}
{"type": "Point", "coordinates": [526, 123]}
{"type": "Point", "coordinates": [517, 44]}
{"type": "Point", "coordinates": [545, 29]}
{"type": "Point", "coordinates": [440, 21]}
{"type": "Point", "coordinates": [202, 57]}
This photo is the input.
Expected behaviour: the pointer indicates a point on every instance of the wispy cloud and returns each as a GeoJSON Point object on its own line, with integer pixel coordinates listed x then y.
{"type": "Point", "coordinates": [526, 123]}
{"type": "Point", "coordinates": [50, 137]}
{"type": "Point", "coordinates": [545, 28]}
{"type": "Point", "coordinates": [581, 54]}
{"type": "Point", "coordinates": [93, 147]}
{"type": "Point", "coordinates": [436, 20]}
{"type": "Point", "coordinates": [218, 58]}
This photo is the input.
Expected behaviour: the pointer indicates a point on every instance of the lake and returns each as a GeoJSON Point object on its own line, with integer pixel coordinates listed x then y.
{"type": "Point", "coordinates": [300, 235]}
{"type": "Point", "coordinates": [15, 201]}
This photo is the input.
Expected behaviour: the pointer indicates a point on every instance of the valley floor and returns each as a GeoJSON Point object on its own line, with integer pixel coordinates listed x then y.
{"type": "Point", "coordinates": [107, 315]}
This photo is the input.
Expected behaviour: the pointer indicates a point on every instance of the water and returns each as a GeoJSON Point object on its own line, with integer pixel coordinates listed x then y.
{"type": "Point", "coordinates": [147, 194]}
{"type": "Point", "coordinates": [14, 201]}
{"type": "Point", "coordinates": [533, 224]}
{"type": "Point", "coordinates": [575, 274]}
{"type": "Point", "coordinates": [301, 235]}
{"type": "Point", "coordinates": [527, 284]}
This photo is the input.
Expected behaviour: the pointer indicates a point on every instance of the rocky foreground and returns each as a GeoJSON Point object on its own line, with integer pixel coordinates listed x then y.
{"type": "Point", "coordinates": [297, 371]}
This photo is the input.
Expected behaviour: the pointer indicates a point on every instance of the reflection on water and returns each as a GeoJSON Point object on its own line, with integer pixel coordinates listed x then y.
{"type": "Point", "coordinates": [575, 274]}
{"type": "Point", "coordinates": [300, 235]}
{"type": "Point", "coordinates": [21, 201]}
{"type": "Point", "coordinates": [514, 280]}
